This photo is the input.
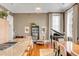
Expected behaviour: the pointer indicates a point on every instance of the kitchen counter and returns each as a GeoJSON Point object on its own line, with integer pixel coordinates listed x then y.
{"type": "Point", "coordinates": [18, 48]}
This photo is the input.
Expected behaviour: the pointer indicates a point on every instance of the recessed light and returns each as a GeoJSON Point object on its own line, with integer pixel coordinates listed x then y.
{"type": "Point", "coordinates": [38, 8]}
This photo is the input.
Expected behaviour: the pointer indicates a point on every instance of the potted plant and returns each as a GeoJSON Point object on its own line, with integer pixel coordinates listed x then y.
{"type": "Point", "coordinates": [3, 14]}
{"type": "Point", "coordinates": [33, 24]}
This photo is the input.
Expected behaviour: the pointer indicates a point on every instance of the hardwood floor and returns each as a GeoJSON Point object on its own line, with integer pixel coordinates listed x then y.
{"type": "Point", "coordinates": [36, 49]}
{"type": "Point", "coordinates": [65, 47]}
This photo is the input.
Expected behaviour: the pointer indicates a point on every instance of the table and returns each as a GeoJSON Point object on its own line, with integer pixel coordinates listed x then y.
{"type": "Point", "coordinates": [70, 47]}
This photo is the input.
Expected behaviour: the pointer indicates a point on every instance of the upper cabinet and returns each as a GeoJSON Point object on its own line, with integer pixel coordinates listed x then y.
{"type": "Point", "coordinates": [4, 27]}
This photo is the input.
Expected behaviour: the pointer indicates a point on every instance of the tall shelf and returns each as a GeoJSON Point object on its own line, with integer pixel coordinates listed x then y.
{"type": "Point", "coordinates": [35, 32]}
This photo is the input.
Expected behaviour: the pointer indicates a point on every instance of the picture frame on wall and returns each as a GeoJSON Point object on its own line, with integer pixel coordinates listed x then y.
{"type": "Point", "coordinates": [43, 30]}
{"type": "Point", "coordinates": [27, 29]}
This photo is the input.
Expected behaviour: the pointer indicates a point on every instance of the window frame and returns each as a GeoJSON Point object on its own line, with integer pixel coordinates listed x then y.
{"type": "Point", "coordinates": [55, 22]}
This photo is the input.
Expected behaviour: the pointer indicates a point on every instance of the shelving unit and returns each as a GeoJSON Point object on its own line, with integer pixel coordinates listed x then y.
{"type": "Point", "coordinates": [35, 33]}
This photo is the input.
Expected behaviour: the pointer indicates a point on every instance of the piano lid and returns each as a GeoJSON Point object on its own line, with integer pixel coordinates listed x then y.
{"type": "Point", "coordinates": [57, 32]}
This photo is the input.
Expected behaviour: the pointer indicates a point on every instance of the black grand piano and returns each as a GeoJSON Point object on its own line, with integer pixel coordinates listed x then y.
{"type": "Point", "coordinates": [56, 35]}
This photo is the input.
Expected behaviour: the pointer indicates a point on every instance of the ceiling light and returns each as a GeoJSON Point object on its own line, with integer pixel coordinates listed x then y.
{"type": "Point", "coordinates": [38, 8]}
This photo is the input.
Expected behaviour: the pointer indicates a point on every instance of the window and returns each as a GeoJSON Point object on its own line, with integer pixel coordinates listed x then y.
{"type": "Point", "coordinates": [56, 22]}
{"type": "Point", "coordinates": [69, 23]}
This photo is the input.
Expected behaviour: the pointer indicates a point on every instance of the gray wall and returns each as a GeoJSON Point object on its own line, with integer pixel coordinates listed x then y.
{"type": "Point", "coordinates": [22, 19]}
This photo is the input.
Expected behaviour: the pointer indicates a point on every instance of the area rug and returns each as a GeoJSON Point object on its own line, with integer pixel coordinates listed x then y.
{"type": "Point", "coordinates": [47, 52]}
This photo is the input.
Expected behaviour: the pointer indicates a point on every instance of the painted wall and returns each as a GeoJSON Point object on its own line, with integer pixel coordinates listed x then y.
{"type": "Point", "coordinates": [22, 20]}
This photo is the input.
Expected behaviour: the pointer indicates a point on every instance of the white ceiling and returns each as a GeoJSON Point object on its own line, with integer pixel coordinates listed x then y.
{"type": "Point", "coordinates": [30, 7]}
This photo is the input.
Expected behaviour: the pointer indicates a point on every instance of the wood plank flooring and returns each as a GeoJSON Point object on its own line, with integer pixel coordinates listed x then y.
{"type": "Point", "coordinates": [36, 49]}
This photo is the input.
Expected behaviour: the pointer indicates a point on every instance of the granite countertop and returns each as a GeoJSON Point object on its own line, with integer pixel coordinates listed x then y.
{"type": "Point", "coordinates": [17, 49]}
